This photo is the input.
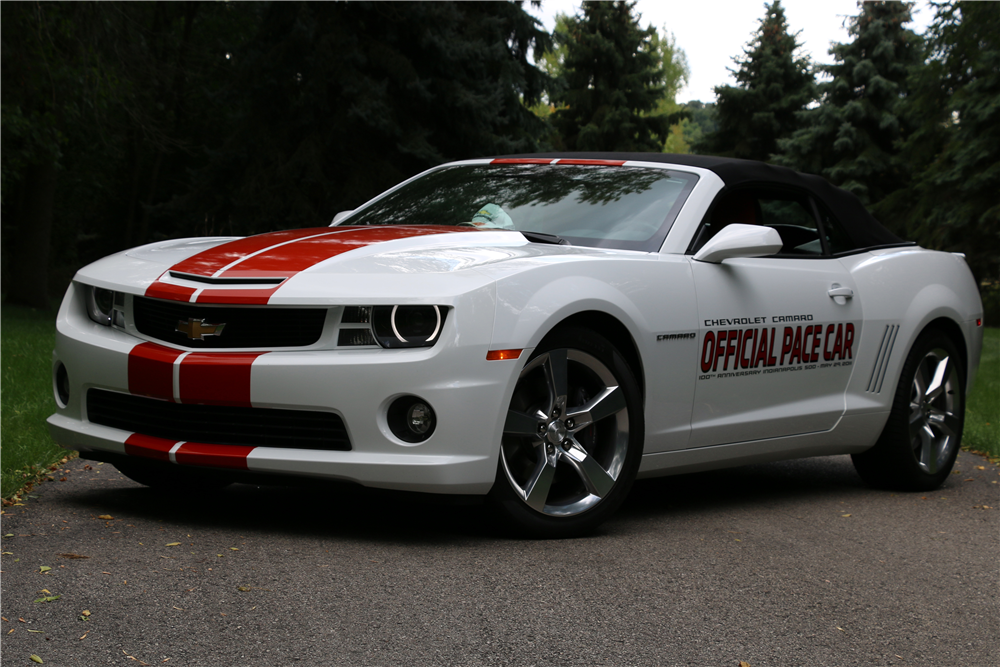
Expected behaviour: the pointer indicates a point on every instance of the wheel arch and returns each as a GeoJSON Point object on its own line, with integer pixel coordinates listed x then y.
{"type": "Point", "coordinates": [952, 330]}
{"type": "Point", "coordinates": [611, 328]}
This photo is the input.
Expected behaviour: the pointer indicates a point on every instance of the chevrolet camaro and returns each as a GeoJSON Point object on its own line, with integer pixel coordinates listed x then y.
{"type": "Point", "coordinates": [537, 330]}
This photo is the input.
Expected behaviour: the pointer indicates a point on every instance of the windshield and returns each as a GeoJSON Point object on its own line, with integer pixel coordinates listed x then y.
{"type": "Point", "coordinates": [630, 208]}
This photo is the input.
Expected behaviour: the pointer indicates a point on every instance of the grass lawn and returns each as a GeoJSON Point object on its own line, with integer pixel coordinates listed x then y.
{"type": "Point", "coordinates": [26, 450]}
{"type": "Point", "coordinates": [28, 453]}
{"type": "Point", "coordinates": [982, 409]}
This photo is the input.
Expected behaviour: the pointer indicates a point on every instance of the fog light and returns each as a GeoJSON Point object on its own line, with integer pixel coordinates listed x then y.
{"type": "Point", "coordinates": [419, 418]}
{"type": "Point", "coordinates": [411, 419]}
{"type": "Point", "coordinates": [62, 385]}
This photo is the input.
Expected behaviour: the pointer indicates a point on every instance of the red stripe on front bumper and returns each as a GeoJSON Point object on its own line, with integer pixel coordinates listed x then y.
{"type": "Point", "coordinates": [217, 379]}
{"type": "Point", "coordinates": [219, 456]}
{"type": "Point", "coordinates": [149, 447]}
{"type": "Point", "coordinates": [151, 371]}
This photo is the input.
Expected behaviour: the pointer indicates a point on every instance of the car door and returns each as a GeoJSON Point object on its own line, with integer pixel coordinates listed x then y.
{"type": "Point", "coordinates": [777, 334]}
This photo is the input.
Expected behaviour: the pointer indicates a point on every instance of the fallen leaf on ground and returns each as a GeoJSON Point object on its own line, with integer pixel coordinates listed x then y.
{"type": "Point", "coordinates": [845, 515]}
{"type": "Point", "coordinates": [132, 657]}
{"type": "Point", "coordinates": [38, 631]}
{"type": "Point", "coordinates": [73, 556]}
{"type": "Point", "coordinates": [44, 568]}
{"type": "Point", "coordinates": [173, 544]}
{"type": "Point", "coordinates": [49, 598]}
{"type": "Point", "coordinates": [35, 658]}
{"type": "Point", "coordinates": [106, 517]}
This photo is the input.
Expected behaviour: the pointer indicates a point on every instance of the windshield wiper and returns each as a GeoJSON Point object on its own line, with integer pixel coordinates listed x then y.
{"type": "Point", "coordinates": [539, 237]}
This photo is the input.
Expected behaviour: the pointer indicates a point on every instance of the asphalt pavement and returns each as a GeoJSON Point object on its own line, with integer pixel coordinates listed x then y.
{"type": "Point", "coordinates": [795, 563]}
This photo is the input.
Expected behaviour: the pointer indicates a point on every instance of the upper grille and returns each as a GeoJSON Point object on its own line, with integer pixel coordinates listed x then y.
{"type": "Point", "coordinates": [244, 326]}
{"type": "Point", "coordinates": [218, 424]}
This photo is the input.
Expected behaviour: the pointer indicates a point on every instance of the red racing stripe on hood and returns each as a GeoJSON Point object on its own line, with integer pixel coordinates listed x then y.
{"type": "Point", "coordinates": [277, 254]}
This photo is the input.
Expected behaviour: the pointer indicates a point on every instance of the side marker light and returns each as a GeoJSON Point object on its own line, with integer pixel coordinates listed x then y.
{"type": "Point", "coordinates": [502, 355]}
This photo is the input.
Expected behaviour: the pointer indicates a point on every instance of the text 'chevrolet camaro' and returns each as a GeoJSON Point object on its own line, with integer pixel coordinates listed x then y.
{"type": "Point", "coordinates": [538, 330]}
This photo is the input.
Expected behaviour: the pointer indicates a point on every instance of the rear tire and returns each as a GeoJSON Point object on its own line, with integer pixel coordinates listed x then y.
{"type": "Point", "coordinates": [921, 439]}
{"type": "Point", "coordinates": [573, 438]}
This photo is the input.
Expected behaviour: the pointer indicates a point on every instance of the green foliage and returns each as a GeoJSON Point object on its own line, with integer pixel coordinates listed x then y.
{"type": "Point", "coordinates": [773, 85]}
{"type": "Point", "coordinates": [613, 78]}
{"type": "Point", "coordinates": [339, 101]}
{"type": "Point", "coordinates": [27, 337]}
{"type": "Point", "coordinates": [953, 202]}
{"type": "Point", "coordinates": [982, 413]}
{"type": "Point", "coordinates": [700, 122]}
{"type": "Point", "coordinates": [125, 123]}
{"type": "Point", "coordinates": [852, 138]}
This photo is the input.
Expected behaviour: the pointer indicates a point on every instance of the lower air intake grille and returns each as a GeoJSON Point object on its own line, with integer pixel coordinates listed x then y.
{"type": "Point", "coordinates": [218, 424]}
{"type": "Point", "coordinates": [241, 326]}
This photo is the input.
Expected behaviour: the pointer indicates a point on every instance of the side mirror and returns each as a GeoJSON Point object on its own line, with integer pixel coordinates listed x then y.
{"type": "Point", "coordinates": [340, 216]}
{"type": "Point", "coordinates": [738, 240]}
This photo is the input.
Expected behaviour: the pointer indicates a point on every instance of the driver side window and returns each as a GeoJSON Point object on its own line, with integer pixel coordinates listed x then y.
{"type": "Point", "coordinates": [788, 213]}
{"type": "Point", "coordinates": [794, 222]}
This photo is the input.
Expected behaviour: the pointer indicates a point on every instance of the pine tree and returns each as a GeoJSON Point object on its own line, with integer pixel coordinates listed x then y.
{"type": "Point", "coordinates": [773, 85]}
{"type": "Point", "coordinates": [613, 79]}
{"type": "Point", "coordinates": [853, 136]}
{"type": "Point", "coordinates": [953, 202]}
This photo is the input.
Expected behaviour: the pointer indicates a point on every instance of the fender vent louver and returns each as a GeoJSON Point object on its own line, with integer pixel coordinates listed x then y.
{"type": "Point", "coordinates": [882, 359]}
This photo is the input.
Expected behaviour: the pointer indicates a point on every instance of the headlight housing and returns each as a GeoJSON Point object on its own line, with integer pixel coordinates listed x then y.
{"type": "Point", "coordinates": [392, 326]}
{"type": "Point", "coordinates": [407, 326]}
{"type": "Point", "coordinates": [105, 306]}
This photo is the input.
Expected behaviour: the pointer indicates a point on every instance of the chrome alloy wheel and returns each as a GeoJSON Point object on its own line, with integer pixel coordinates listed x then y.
{"type": "Point", "coordinates": [935, 410]}
{"type": "Point", "coordinates": [566, 435]}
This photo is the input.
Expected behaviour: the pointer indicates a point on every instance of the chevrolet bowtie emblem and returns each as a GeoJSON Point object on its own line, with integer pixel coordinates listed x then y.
{"type": "Point", "coordinates": [196, 329]}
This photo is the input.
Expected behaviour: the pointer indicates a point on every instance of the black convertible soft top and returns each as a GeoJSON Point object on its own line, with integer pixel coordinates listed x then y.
{"type": "Point", "coordinates": [860, 225]}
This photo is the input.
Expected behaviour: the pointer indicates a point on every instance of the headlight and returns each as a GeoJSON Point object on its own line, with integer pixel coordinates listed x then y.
{"type": "Point", "coordinates": [100, 305]}
{"type": "Point", "coordinates": [106, 307]}
{"type": "Point", "coordinates": [407, 326]}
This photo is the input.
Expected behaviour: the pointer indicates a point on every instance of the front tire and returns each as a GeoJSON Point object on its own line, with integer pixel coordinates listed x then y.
{"type": "Point", "coordinates": [921, 439]}
{"type": "Point", "coordinates": [572, 440]}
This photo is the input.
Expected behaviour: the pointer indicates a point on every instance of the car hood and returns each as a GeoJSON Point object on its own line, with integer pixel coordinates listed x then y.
{"type": "Point", "coordinates": [299, 265]}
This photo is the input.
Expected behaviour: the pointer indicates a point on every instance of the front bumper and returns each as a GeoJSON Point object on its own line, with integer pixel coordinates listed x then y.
{"type": "Point", "coordinates": [469, 396]}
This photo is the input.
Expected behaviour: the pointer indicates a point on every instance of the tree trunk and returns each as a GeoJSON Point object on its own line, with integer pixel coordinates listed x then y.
{"type": "Point", "coordinates": [28, 279]}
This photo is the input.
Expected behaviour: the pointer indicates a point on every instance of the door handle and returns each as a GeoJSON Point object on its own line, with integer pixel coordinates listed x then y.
{"type": "Point", "coordinates": [840, 294]}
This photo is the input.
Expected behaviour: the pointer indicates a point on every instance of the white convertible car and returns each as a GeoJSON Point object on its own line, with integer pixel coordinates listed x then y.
{"type": "Point", "coordinates": [538, 330]}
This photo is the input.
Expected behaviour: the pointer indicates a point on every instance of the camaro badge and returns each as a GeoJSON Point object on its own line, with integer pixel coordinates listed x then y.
{"type": "Point", "coordinates": [196, 329]}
